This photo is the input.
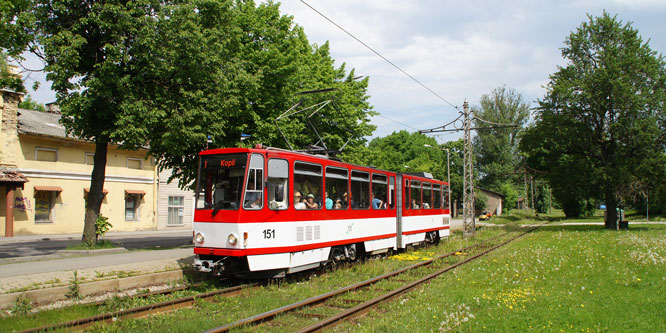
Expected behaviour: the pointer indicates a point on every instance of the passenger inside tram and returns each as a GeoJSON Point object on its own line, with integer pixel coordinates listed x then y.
{"type": "Point", "coordinates": [310, 202]}
{"type": "Point", "coordinates": [253, 200]}
{"type": "Point", "coordinates": [329, 202]}
{"type": "Point", "coordinates": [298, 200]}
{"type": "Point", "coordinates": [377, 203]}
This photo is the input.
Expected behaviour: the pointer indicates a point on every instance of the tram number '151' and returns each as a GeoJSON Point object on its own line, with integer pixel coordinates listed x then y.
{"type": "Point", "coordinates": [269, 233]}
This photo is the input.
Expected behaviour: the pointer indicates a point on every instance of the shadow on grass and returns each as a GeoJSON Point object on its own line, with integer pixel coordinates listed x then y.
{"type": "Point", "coordinates": [588, 228]}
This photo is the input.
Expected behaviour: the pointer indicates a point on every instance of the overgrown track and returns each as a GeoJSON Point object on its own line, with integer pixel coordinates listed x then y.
{"type": "Point", "coordinates": [145, 310]}
{"type": "Point", "coordinates": [324, 322]}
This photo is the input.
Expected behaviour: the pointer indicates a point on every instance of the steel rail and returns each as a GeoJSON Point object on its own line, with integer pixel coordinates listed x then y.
{"type": "Point", "coordinates": [140, 311]}
{"type": "Point", "coordinates": [320, 298]}
{"type": "Point", "coordinates": [331, 321]}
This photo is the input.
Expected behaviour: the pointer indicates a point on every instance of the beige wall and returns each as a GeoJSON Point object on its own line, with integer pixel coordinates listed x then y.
{"type": "Point", "coordinates": [72, 174]}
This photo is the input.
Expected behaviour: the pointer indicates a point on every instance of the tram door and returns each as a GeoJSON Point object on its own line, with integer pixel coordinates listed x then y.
{"type": "Point", "coordinates": [391, 199]}
{"type": "Point", "coordinates": [398, 219]}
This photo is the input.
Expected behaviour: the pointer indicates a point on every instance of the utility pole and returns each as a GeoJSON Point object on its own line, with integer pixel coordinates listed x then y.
{"type": "Point", "coordinates": [469, 225]}
{"type": "Point", "coordinates": [448, 175]}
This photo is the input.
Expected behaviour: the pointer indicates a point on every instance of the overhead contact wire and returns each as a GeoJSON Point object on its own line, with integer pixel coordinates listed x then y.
{"type": "Point", "coordinates": [381, 56]}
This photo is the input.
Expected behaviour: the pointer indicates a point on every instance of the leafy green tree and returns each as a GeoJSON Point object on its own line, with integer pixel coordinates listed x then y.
{"type": "Point", "coordinates": [276, 62]}
{"type": "Point", "coordinates": [7, 78]}
{"type": "Point", "coordinates": [480, 202]}
{"type": "Point", "coordinates": [510, 195]}
{"type": "Point", "coordinates": [496, 150]}
{"type": "Point", "coordinates": [600, 127]}
{"type": "Point", "coordinates": [30, 104]}
{"type": "Point", "coordinates": [173, 73]}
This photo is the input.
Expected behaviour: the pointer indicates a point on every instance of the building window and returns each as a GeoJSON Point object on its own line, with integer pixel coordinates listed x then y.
{"type": "Point", "coordinates": [131, 207]}
{"type": "Point", "coordinates": [90, 158]}
{"type": "Point", "coordinates": [46, 154]}
{"type": "Point", "coordinates": [176, 210]}
{"type": "Point", "coordinates": [134, 163]}
{"type": "Point", "coordinates": [44, 206]}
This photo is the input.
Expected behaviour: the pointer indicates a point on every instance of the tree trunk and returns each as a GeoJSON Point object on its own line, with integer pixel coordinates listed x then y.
{"type": "Point", "coordinates": [611, 211]}
{"type": "Point", "coordinates": [96, 194]}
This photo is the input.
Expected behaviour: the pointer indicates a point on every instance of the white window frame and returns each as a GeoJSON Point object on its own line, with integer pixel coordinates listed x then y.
{"type": "Point", "coordinates": [181, 212]}
{"type": "Point", "coordinates": [90, 156]}
{"type": "Point", "coordinates": [134, 159]}
{"type": "Point", "coordinates": [38, 149]}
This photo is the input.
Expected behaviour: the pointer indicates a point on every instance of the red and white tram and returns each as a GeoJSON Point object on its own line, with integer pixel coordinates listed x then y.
{"type": "Point", "coordinates": [267, 212]}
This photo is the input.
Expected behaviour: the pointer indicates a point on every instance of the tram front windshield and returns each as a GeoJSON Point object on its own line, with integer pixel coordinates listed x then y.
{"type": "Point", "coordinates": [220, 183]}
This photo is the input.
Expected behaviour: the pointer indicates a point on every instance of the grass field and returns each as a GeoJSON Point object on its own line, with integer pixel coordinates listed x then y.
{"type": "Point", "coordinates": [557, 278]}
{"type": "Point", "coordinates": [563, 279]}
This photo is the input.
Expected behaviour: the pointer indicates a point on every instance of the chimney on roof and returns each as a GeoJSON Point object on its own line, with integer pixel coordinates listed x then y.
{"type": "Point", "coordinates": [53, 107]}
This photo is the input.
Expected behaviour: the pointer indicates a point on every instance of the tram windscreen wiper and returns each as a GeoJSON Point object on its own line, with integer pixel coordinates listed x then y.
{"type": "Point", "coordinates": [219, 205]}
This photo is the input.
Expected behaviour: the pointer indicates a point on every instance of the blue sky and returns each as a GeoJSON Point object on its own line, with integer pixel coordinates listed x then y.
{"type": "Point", "coordinates": [460, 49]}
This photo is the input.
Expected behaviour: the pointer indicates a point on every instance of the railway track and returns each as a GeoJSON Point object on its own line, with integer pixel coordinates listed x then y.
{"type": "Point", "coordinates": [299, 309]}
{"type": "Point", "coordinates": [188, 301]}
{"type": "Point", "coordinates": [144, 310]}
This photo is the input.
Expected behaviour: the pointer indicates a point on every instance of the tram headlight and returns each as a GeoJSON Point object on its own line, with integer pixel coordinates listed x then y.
{"type": "Point", "coordinates": [199, 238]}
{"type": "Point", "coordinates": [232, 239]}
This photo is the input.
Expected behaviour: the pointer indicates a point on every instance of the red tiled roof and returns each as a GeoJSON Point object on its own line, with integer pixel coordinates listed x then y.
{"type": "Point", "coordinates": [135, 192]}
{"type": "Point", "coordinates": [12, 177]}
{"type": "Point", "coordinates": [48, 188]}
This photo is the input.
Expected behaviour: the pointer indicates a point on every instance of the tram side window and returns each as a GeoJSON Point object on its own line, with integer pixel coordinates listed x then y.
{"type": "Point", "coordinates": [379, 191]}
{"type": "Point", "coordinates": [337, 188]}
{"type": "Point", "coordinates": [360, 190]}
{"type": "Point", "coordinates": [254, 190]}
{"type": "Point", "coordinates": [416, 194]}
{"type": "Point", "coordinates": [427, 196]}
{"type": "Point", "coordinates": [445, 194]}
{"type": "Point", "coordinates": [307, 186]}
{"type": "Point", "coordinates": [405, 194]}
{"type": "Point", "coordinates": [278, 184]}
{"type": "Point", "coordinates": [436, 196]}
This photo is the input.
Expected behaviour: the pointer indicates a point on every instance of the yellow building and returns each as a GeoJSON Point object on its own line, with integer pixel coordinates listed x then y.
{"type": "Point", "coordinates": [58, 168]}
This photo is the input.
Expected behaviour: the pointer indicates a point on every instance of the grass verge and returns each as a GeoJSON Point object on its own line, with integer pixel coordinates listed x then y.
{"type": "Point", "coordinates": [99, 245]}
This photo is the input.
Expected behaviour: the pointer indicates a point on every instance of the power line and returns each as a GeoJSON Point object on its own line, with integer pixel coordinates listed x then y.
{"type": "Point", "coordinates": [381, 56]}
{"type": "Point", "coordinates": [397, 122]}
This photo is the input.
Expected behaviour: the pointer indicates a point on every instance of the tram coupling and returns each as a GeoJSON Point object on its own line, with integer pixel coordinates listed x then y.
{"type": "Point", "coordinates": [207, 266]}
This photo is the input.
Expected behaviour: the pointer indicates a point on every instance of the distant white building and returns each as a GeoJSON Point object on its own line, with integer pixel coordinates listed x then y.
{"type": "Point", "coordinates": [175, 207]}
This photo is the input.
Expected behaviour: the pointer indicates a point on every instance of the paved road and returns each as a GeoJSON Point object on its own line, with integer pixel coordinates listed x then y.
{"type": "Point", "coordinates": [65, 264]}
{"type": "Point", "coordinates": [45, 244]}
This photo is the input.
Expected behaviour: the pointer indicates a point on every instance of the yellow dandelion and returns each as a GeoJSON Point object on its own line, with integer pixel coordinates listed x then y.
{"type": "Point", "coordinates": [582, 305]}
